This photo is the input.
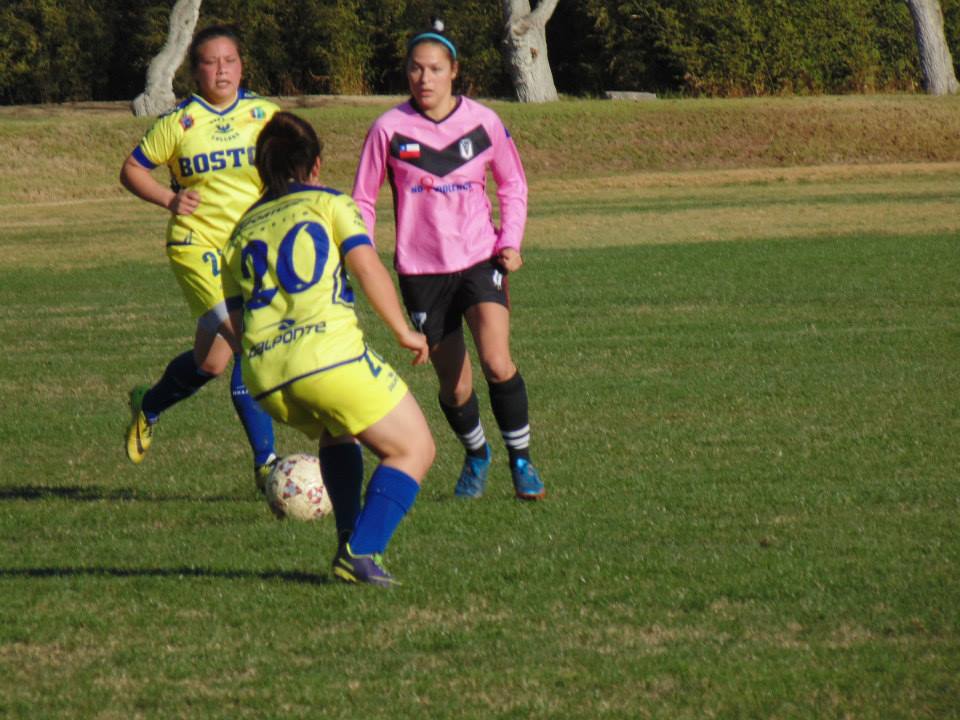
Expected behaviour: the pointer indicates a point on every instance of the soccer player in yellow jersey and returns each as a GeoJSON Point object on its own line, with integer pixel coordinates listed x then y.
{"type": "Point", "coordinates": [208, 143]}
{"type": "Point", "coordinates": [304, 356]}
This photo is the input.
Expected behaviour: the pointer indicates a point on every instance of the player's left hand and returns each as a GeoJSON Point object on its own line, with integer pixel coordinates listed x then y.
{"type": "Point", "coordinates": [510, 259]}
{"type": "Point", "coordinates": [417, 342]}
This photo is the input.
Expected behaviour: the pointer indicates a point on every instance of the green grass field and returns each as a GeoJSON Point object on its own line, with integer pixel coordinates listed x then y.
{"type": "Point", "coordinates": [743, 379]}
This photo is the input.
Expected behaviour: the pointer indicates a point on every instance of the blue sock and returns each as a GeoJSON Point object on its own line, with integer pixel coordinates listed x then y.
{"type": "Point", "coordinates": [256, 423]}
{"type": "Point", "coordinates": [342, 468]}
{"type": "Point", "coordinates": [390, 494]}
{"type": "Point", "coordinates": [180, 380]}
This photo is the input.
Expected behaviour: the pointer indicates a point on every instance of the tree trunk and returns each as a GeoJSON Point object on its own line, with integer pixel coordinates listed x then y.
{"type": "Point", "coordinates": [939, 77]}
{"type": "Point", "coordinates": [158, 96]}
{"type": "Point", "coordinates": [526, 45]}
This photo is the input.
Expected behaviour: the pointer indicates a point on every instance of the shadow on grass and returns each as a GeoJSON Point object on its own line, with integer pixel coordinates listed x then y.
{"type": "Point", "coordinates": [95, 493]}
{"type": "Point", "coordinates": [175, 572]}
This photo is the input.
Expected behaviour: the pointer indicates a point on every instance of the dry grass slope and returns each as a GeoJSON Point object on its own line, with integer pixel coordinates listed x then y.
{"type": "Point", "coordinates": [572, 139]}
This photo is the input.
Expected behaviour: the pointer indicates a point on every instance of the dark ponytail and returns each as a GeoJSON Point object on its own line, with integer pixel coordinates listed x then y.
{"type": "Point", "coordinates": [287, 149]}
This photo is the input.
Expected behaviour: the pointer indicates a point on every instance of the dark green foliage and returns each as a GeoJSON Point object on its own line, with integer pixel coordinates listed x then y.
{"type": "Point", "coordinates": [99, 50]}
{"type": "Point", "coordinates": [756, 47]}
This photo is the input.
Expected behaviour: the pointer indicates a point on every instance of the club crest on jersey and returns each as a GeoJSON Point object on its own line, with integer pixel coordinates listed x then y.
{"type": "Point", "coordinates": [409, 151]}
{"type": "Point", "coordinates": [186, 122]}
{"type": "Point", "coordinates": [466, 148]}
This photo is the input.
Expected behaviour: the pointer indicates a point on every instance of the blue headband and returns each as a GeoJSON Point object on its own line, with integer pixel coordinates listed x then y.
{"type": "Point", "coordinates": [433, 36]}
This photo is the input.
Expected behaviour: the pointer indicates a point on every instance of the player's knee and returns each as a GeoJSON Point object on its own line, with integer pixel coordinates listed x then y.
{"type": "Point", "coordinates": [420, 453]}
{"type": "Point", "coordinates": [214, 366]}
{"type": "Point", "coordinates": [428, 451]}
{"type": "Point", "coordinates": [456, 393]}
{"type": "Point", "coordinates": [498, 369]}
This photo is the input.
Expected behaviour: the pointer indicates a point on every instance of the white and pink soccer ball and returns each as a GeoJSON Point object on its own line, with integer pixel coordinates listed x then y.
{"type": "Point", "coordinates": [295, 489]}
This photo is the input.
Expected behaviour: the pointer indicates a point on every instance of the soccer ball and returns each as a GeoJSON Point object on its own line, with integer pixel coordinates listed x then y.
{"type": "Point", "coordinates": [295, 489]}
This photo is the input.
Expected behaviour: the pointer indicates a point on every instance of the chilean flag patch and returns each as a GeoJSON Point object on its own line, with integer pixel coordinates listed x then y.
{"type": "Point", "coordinates": [410, 150]}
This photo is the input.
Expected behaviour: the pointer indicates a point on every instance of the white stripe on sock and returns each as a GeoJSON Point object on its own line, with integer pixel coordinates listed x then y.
{"type": "Point", "coordinates": [475, 439]}
{"type": "Point", "coordinates": [517, 439]}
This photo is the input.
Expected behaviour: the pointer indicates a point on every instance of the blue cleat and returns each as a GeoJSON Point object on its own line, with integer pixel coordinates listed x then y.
{"type": "Point", "coordinates": [526, 480]}
{"type": "Point", "coordinates": [473, 475]}
{"type": "Point", "coordinates": [357, 569]}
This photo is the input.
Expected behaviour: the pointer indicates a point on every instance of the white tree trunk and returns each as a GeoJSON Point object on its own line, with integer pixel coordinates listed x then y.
{"type": "Point", "coordinates": [158, 96]}
{"type": "Point", "coordinates": [526, 45]}
{"type": "Point", "coordinates": [936, 63]}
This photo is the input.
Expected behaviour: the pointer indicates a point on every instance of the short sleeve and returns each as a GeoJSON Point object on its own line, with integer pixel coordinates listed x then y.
{"type": "Point", "coordinates": [349, 228]}
{"type": "Point", "coordinates": [159, 144]}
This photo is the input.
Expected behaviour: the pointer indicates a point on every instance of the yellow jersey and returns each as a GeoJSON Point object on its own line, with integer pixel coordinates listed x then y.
{"type": "Point", "coordinates": [210, 151]}
{"type": "Point", "coordinates": [285, 259]}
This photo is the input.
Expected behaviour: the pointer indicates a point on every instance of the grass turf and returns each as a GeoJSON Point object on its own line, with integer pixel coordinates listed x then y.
{"type": "Point", "coordinates": [749, 441]}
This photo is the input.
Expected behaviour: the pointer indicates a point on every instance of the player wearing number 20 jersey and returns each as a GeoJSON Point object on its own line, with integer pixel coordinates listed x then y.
{"type": "Point", "coordinates": [299, 326]}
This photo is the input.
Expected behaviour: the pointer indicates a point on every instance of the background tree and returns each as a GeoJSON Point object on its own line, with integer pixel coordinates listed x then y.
{"type": "Point", "coordinates": [525, 42]}
{"type": "Point", "coordinates": [100, 49]}
{"type": "Point", "coordinates": [158, 97]}
{"type": "Point", "coordinates": [939, 77]}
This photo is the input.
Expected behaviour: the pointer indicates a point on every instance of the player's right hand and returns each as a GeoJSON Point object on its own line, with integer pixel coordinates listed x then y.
{"type": "Point", "coordinates": [416, 342]}
{"type": "Point", "coordinates": [185, 202]}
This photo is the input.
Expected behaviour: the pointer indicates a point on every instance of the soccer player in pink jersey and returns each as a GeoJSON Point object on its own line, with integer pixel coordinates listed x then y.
{"type": "Point", "coordinates": [451, 260]}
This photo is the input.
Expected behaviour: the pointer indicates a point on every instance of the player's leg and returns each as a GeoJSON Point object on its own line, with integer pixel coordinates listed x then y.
{"type": "Point", "coordinates": [341, 463]}
{"type": "Point", "coordinates": [216, 344]}
{"type": "Point", "coordinates": [184, 376]}
{"type": "Point", "coordinates": [403, 442]}
{"type": "Point", "coordinates": [460, 407]}
{"type": "Point", "coordinates": [190, 370]}
{"type": "Point", "coordinates": [489, 323]}
{"type": "Point", "coordinates": [430, 301]}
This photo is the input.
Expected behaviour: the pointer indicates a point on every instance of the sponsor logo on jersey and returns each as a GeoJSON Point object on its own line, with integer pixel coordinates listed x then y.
{"type": "Point", "coordinates": [428, 183]}
{"type": "Point", "coordinates": [217, 160]}
{"type": "Point", "coordinates": [409, 150]}
{"type": "Point", "coordinates": [225, 132]}
{"type": "Point", "coordinates": [186, 122]}
{"type": "Point", "coordinates": [286, 336]}
{"type": "Point", "coordinates": [466, 148]}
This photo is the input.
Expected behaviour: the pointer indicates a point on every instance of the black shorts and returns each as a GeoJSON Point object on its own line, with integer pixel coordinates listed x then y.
{"type": "Point", "coordinates": [436, 303]}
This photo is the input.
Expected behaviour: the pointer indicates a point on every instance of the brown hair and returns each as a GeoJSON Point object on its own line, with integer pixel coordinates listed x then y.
{"type": "Point", "coordinates": [435, 36]}
{"type": "Point", "coordinates": [287, 149]}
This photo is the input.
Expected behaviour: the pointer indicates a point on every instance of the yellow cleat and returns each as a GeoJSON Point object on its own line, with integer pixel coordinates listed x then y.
{"type": "Point", "coordinates": [140, 432]}
{"type": "Point", "coordinates": [261, 473]}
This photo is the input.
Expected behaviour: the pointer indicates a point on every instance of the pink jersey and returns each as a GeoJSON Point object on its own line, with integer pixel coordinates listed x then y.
{"type": "Point", "coordinates": [438, 174]}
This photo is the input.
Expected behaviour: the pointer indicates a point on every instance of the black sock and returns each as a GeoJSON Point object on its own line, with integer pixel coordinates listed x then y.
{"type": "Point", "coordinates": [510, 408]}
{"type": "Point", "coordinates": [465, 422]}
{"type": "Point", "coordinates": [180, 380]}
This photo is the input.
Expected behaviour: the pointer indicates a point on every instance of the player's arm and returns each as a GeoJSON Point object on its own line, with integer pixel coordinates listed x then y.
{"type": "Point", "coordinates": [136, 178]}
{"type": "Point", "coordinates": [365, 267]}
{"type": "Point", "coordinates": [371, 172]}
{"type": "Point", "coordinates": [512, 195]}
